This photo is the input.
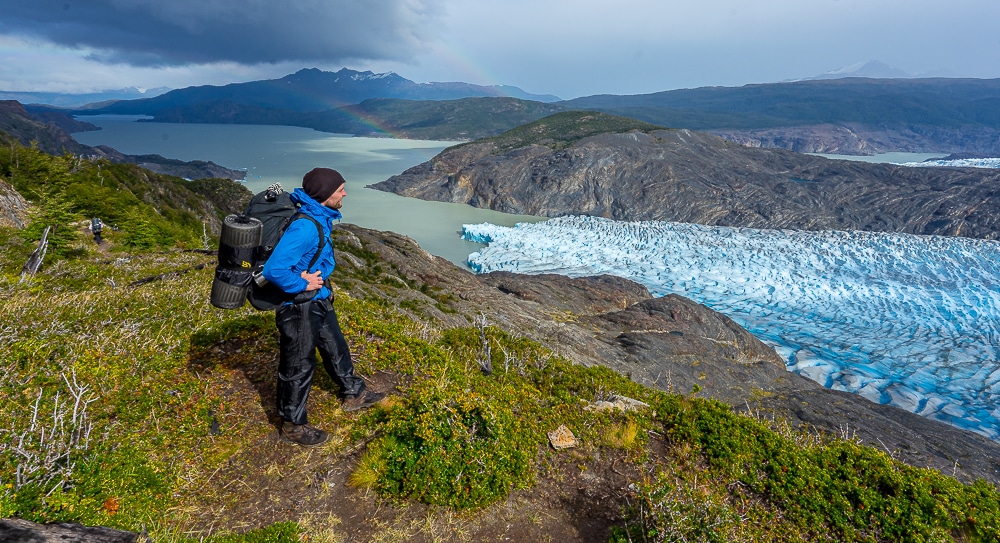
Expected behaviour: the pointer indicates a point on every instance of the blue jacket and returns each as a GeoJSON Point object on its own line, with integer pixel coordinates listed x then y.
{"type": "Point", "coordinates": [297, 246]}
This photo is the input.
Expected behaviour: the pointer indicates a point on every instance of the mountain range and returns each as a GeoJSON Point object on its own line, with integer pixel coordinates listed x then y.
{"type": "Point", "coordinates": [66, 100]}
{"type": "Point", "coordinates": [847, 115]}
{"type": "Point", "coordinates": [569, 161]}
{"type": "Point", "coordinates": [311, 90]}
{"type": "Point", "coordinates": [870, 68]}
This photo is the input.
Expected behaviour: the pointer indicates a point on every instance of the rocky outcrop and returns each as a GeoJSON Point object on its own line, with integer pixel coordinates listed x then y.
{"type": "Point", "coordinates": [686, 176]}
{"type": "Point", "coordinates": [14, 530]}
{"type": "Point", "coordinates": [13, 207]}
{"type": "Point", "coordinates": [670, 343]}
{"type": "Point", "coordinates": [856, 139]}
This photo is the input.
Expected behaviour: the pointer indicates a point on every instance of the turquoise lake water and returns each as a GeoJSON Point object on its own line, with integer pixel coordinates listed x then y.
{"type": "Point", "coordinates": [283, 153]}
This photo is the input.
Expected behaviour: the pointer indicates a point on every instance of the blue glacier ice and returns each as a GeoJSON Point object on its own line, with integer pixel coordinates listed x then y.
{"type": "Point", "coordinates": [956, 163]}
{"type": "Point", "coordinates": [911, 321]}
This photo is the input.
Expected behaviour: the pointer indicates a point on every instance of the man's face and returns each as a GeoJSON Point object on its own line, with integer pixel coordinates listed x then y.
{"type": "Point", "coordinates": [336, 199]}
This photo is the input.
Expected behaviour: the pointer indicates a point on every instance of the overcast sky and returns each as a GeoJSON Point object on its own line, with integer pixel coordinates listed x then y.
{"type": "Point", "coordinates": [569, 48]}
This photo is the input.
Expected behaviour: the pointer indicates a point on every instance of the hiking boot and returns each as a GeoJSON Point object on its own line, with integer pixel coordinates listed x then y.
{"type": "Point", "coordinates": [302, 434]}
{"type": "Point", "coordinates": [361, 400]}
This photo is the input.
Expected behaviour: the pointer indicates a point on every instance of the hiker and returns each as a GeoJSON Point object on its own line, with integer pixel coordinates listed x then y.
{"type": "Point", "coordinates": [303, 327]}
{"type": "Point", "coordinates": [96, 225]}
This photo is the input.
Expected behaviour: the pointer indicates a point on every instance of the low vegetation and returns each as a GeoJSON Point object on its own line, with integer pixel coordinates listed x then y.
{"type": "Point", "coordinates": [463, 119]}
{"type": "Point", "coordinates": [561, 130]}
{"type": "Point", "coordinates": [120, 403]}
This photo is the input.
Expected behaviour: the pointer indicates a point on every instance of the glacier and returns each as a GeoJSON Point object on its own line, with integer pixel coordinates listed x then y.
{"type": "Point", "coordinates": [957, 163]}
{"type": "Point", "coordinates": [910, 321]}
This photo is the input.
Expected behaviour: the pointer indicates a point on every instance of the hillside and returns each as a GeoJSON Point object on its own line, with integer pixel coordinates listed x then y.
{"type": "Point", "coordinates": [856, 115]}
{"type": "Point", "coordinates": [633, 172]}
{"type": "Point", "coordinates": [48, 130]}
{"type": "Point", "coordinates": [16, 121]}
{"type": "Point", "coordinates": [190, 445]}
{"type": "Point", "coordinates": [172, 429]}
{"type": "Point", "coordinates": [151, 210]}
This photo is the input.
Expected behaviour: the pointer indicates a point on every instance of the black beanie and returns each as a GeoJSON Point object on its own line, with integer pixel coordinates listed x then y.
{"type": "Point", "coordinates": [320, 183]}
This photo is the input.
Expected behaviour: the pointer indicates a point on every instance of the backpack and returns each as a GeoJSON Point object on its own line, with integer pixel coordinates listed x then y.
{"type": "Point", "coordinates": [96, 224]}
{"type": "Point", "coordinates": [246, 243]}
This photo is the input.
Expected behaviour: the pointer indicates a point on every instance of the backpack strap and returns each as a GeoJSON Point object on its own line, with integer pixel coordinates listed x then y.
{"type": "Point", "coordinates": [319, 230]}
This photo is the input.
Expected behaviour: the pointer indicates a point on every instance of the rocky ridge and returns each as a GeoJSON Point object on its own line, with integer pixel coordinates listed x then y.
{"type": "Point", "coordinates": [688, 176]}
{"type": "Point", "coordinates": [48, 131]}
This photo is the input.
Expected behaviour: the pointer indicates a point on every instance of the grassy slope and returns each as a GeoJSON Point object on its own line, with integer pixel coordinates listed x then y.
{"type": "Point", "coordinates": [121, 404]}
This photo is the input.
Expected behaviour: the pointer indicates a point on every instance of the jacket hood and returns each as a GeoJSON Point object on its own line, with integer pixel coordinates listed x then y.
{"type": "Point", "coordinates": [313, 207]}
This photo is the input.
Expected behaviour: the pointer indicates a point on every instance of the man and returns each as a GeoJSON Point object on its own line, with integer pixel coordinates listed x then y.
{"type": "Point", "coordinates": [312, 324]}
{"type": "Point", "coordinates": [96, 225]}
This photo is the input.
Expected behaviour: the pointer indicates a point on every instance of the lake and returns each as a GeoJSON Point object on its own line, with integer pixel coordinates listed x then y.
{"type": "Point", "coordinates": [894, 157]}
{"type": "Point", "coordinates": [284, 153]}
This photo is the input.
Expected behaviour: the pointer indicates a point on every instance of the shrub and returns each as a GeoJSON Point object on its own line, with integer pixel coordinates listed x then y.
{"type": "Point", "coordinates": [454, 448]}
{"type": "Point", "coordinates": [839, 489]}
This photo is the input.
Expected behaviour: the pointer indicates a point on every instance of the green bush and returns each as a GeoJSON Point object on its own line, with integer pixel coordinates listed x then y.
{"type": "Point", "coordinates": [453, 448]}
{"type": "Point", "coordinates": [838, 488]}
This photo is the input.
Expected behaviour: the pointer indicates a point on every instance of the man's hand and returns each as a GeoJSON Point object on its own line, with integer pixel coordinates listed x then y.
{"type": "Point", "coordinates": [315, 280]}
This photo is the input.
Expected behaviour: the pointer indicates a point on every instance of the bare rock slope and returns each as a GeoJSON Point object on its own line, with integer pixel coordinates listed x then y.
{"type": "Point", "coordinates": [687, 176]}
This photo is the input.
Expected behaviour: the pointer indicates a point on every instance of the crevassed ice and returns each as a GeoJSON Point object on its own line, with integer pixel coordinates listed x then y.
{"type": "Point", "coordinates": [957, 163]}
{"type": "Point", "coordinates": [911, 321]}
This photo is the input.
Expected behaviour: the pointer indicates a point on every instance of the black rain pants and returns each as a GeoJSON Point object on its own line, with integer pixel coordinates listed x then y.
{"type": "Point", "coordinates": [303, 328]}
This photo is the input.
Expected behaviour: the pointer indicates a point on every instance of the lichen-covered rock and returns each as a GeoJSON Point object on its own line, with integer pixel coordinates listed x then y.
{"type": "Point", "coordinates": [13, 207]}
{"type": "Point", "coordinates": [562, 438]}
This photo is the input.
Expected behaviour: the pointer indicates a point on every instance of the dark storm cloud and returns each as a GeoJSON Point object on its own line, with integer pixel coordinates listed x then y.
{"type": "Point", "coordinates": [175, 32]}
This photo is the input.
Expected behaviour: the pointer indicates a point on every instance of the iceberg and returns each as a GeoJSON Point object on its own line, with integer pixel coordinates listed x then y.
{"type": "Point", "coordinates": [911, 321]}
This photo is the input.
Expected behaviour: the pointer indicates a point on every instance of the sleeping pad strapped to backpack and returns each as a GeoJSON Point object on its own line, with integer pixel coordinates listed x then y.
{"type": "Point", "coordinates": [246, 242]}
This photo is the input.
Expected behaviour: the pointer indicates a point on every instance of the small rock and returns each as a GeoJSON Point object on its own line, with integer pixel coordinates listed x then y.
{"type": "Point", "coordinates": [561, 438]}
